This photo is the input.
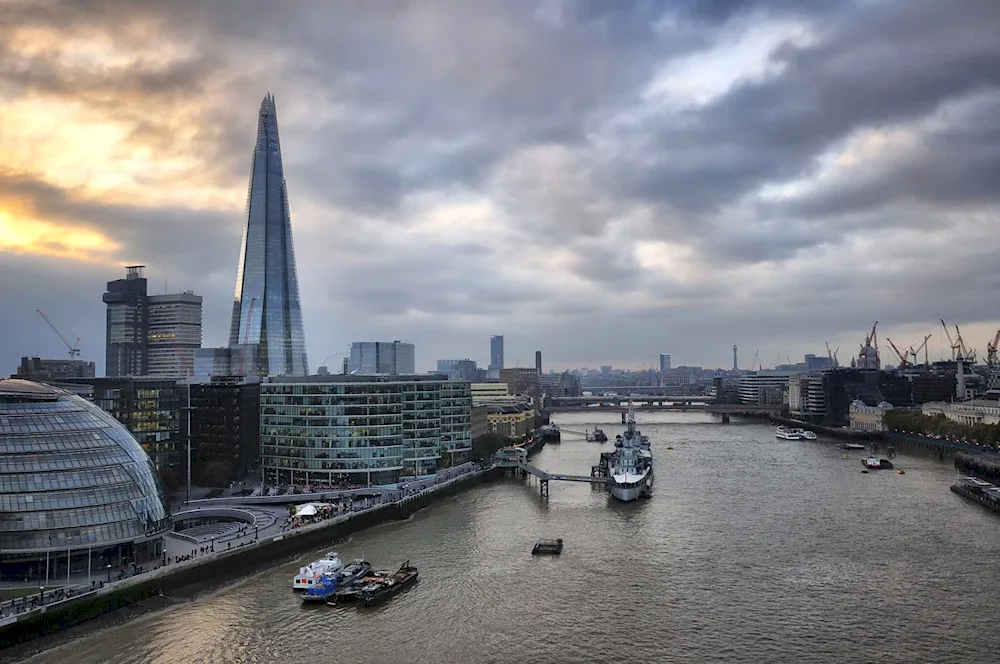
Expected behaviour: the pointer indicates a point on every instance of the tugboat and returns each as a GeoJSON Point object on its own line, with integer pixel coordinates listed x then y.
{"type": "Point", "coordinates": [321, 591]}
{"type": "Point", "coordinates": [378, 591]}
{"type": "Point", "coordinates": [547, 547]}
{"type": "Point", "coordinates": [348, 592]}
{"type": "Point", "coordinates": [597, 436]}
{"type": "Point", "coordinates": [630, 466]}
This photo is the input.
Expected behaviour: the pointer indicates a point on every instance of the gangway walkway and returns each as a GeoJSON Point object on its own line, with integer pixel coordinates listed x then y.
{"type": "Point", "coordinates": [544, 477]}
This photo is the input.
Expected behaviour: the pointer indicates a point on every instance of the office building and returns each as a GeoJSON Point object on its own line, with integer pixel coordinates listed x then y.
{"type": "Point", "coordinates": [807, 397]}
{"type": "Point", "coordinates": [764, 387]}
{"type": "Point", "coordinates": [496, 352]}
{"type": "Point", "coordinates": [538, 362]}
{"type": "Point", "coordinates": [47, 371]}
{"type": "Point", "coordinates": [77, 492]}
{"type": "Point", "coordinates": [460, 370]}
{"type": "Point", "coordinates": [339, 431]}
{"type": "Point", "coordinates": [174, 333]}
{"type": "Point", "coordinates": [266, 309]}
{"type": "Point", "coordinates": [664, 362]}
{"type": "Point", "coordinates": [523, 381]}
{"type": "Point", "coordinates": [127, 325]}
{"type": "Point", "coordinates": [225, 431]}
{"type": "Point", "coordinates": [382, 357]}
{"type": "Point", "coordinates": [150, 409]}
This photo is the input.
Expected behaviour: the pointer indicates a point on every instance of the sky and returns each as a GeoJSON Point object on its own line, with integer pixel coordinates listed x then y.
{"type": "Point", "coordinates": [600, 180]}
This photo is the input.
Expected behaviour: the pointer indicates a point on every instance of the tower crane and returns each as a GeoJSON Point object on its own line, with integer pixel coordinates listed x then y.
{"type": "Point", "coordinates": [74, 349]}
{"type": "Point", "coordinates": [922, 346]}
{"type": "Point", "coordinates": [966, 354]}
{"type": "Point", "coordinates": [991, 351]}
{"type": "Point", "coordinates": [951, 343]}
{"type": "Point", "coordinates": [903, 357]}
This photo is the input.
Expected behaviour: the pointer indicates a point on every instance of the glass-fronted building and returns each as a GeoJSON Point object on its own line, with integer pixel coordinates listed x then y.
{"type": "Point", "coordinates": [266, 309]}
{"type": "Point", "coordinates": [77, 492]}
{"type": "Point", "coordinates": [361, 430]}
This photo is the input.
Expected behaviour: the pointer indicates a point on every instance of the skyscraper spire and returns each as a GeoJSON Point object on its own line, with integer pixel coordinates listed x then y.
{"type": "Point", "coordinates": [266, 308]}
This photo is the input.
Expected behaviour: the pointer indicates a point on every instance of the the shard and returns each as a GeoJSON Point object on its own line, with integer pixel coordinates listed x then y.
{"type": "Point", "coordinates": [267, 315]}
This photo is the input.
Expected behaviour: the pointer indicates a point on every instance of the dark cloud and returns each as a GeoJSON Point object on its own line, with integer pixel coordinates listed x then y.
{"type": "Point", "coordinates": [392, 110]}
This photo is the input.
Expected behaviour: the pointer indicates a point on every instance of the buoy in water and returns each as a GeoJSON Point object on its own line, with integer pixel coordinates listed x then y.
{"type": "Point", "coordinates": [902, 472]}
{"type": "Point", "coordinates": [670, 448]}
{"type": "Point", "coordinates": [865, 472]}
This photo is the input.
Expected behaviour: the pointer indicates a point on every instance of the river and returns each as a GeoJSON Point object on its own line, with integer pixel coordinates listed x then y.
{"type": "Point", "coordinates": [752, 549]}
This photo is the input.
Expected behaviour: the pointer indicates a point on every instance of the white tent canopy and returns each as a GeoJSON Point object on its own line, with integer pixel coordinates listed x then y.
{"type": "Point", "coordinates": [306, 510]}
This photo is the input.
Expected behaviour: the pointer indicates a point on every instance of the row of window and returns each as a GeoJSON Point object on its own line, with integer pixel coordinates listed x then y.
{"type": "Point", "coordinates": [322, 464]}
{"type": "Point", "coordinates": [67, 460]}
{"type": "Point", "coordinates": [55, 481]}
{"type": "Point", "coordinates": [79, 537]}
{"type": "Point", "coordinates": [357, 453]}
{"type": "Point", "coordinates": [55, 500]}
{"type": "Point", "coordinates": [68, 518]}
{"type": "Point", "coordinates": [53, 442]}
{"type": "Point", "coordinates": [386, 387]}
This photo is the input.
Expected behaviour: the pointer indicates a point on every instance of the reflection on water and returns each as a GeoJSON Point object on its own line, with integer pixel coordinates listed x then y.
{"type": "Point", "coordinates": [752, 549]}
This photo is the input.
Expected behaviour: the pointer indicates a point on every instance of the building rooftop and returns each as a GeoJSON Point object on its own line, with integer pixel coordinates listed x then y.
{"type": "Point", "coordinates": [356, 378]}
{"type": "Point", "coordinates": [18, 387]}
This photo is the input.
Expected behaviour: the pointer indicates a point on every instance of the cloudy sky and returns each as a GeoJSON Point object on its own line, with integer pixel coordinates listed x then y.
{"type": "Point", "coordinates": [603, 180]}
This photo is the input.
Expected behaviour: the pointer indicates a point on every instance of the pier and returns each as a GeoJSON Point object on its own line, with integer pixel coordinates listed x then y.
{"type": "Point", "coordinates": [524, 468]}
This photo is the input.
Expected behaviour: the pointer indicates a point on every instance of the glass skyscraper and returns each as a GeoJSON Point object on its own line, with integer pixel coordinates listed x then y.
{"type": "Point", "coordinates": [266, 309]}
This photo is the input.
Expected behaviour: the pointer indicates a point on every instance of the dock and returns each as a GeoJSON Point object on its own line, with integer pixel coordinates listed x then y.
{"type": "Point", "coordinates": [519, 465]}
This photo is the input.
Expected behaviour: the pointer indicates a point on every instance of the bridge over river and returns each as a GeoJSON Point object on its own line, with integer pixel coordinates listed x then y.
{"type": "Point", "coordinates": [617, 406]}
{"type": "Point", "coordinates": [544, 477]}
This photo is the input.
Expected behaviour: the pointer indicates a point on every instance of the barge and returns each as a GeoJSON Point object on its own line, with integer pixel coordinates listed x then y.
{"type": "Point", "coordinates": [976, 490]}
{"type": "Point", "coordinates": [381, 590]}
{"type": "Point", "coordinates": [547, 547]}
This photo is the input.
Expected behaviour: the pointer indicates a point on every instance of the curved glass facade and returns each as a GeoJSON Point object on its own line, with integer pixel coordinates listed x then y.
{"type": "Point", "coordinates": [356, 430]}
{"type": "Point", "coordinates": [71, 476]}
{"type": "Point", "coordinates": [266, 310]}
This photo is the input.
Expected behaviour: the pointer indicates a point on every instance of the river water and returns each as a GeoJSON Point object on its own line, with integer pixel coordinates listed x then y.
{"type": "Point", "coordinates": [752, 549]}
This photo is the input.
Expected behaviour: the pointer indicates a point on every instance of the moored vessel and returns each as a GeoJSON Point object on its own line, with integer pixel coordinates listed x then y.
{"type": "Point", "coordinates": [630, 466]}
{"type": "Point", "coordinates": [597, 436]}
{"type": "Point", "coordinates": [323, 590]}
{"type": "Point", "coordinates": [309, 575]}
{"type": "Point", "coordinates": [550, 433]}
{"type": "Point", "coordinates": [379, 591]}
{"type": "Point", "coordinates": [785, 433]}
{"type": "Point", "coordinates": [874, 463]}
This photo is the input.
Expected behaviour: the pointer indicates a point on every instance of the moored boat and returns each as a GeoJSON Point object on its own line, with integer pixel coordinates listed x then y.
{"type": "Point", "coordinates": [321, 591]}
{"type": "Point", "coordinates": [630, 466]}
{"type": "Point", "coordinates": [808, 435]}
{"type": "Point", "coordinates": [378, 591]}
{"type": "Point", "coordinates": [784, 433]}
{"type": "Point", "coordinates": [874, 463]}
{"type": "Point", "coordinates": [310, 575]}
{"type": "Point", "coordinates": [597, 436]}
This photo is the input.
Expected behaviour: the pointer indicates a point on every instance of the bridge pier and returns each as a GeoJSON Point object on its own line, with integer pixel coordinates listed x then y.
{"type": "Point", "coordinates": [543, 488]}
{"type": "Point", "coordinates": [725, 418]}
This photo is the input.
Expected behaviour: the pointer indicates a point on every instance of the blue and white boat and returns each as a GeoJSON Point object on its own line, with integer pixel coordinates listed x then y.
{"type": "Point", "coordinates": [321, 591]}
{"type": "Point", "coordinates": [309, 575]}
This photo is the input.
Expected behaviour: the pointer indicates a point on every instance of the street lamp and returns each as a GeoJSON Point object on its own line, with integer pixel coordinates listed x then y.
{"type": "Point", "coordinates": [109, 572]}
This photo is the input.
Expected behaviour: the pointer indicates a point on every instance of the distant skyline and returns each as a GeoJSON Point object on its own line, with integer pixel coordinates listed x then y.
{"type": "Point", "coordinates": [600, 181]}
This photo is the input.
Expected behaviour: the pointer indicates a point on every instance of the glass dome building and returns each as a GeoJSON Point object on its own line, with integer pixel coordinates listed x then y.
{"type": "Point", "coordinates": [77, 492]}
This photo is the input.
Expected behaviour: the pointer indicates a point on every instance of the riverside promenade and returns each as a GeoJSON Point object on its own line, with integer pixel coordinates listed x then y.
{"type": "Point", "coordinates": [187, 564]}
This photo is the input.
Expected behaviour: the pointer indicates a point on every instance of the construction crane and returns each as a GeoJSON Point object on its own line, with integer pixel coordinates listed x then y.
{"type": "Point", "coordinates": [755, 356]}
{"type": "Point", "coordinates": [951, 342]}
{"type": "Point", "coordinates": [74, 349]}
{"type": "Point", "coordinates": [991, 351]}
{"type": "Point", "coordinates": [922, 346]}
{"type": "Point", "coordinates": [832, 355]}
{"type": "Point", "coordinates": [967, 354]}
{"type": "Point", "coordinates": [870, 345]}
{"type": "Point", "coordinates": [903, 356]}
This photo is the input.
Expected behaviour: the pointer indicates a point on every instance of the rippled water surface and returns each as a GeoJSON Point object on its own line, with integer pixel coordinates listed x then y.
{"type": "Point", "coordinates": [752, 549]}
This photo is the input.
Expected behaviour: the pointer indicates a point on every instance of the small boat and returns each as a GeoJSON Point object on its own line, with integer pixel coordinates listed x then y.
{"type": "Point", "coordinates": [309, 575]}
{"type": "Point", "coordinates": [874, 463]}
{"type": "Point", "coordinates": [378, 591]}
{"type": "Point", "coordinates": [852, 446]}
{"type": "Point", "coordinates": [808, 435]}
{"type": "Point", "coordinates": [356, 570]}
{"type": "Point", "coordinates": [547, 547]}
{"type": "Point", "coordinates": [322, 591]}
{"type": "Point", "coordinates": [784, 433]}
{"type": "Point", "coordinates": [597, 436]}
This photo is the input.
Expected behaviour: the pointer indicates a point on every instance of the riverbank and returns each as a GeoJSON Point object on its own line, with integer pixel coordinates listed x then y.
{"type": "Point", "coordinates": [211, 571]}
